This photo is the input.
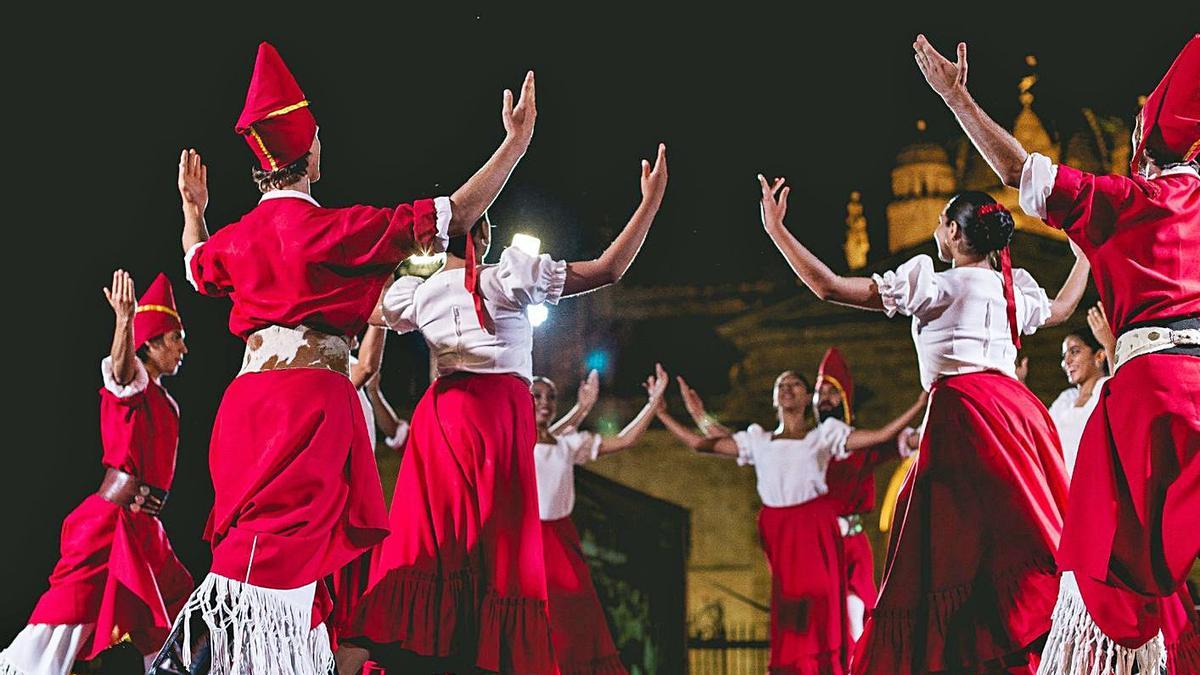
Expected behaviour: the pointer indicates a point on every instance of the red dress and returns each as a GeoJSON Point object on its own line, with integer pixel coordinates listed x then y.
{"type": "Point", "coordinates": [117, 569]}
{"type": "Point", "coordinates": [852, 484]}
{"type": "Point", "coordinates": [1133, 528]}
{"type": "Point", "coordinates": [294, 477]}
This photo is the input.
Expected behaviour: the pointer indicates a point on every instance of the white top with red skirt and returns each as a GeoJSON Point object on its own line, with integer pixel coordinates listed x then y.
{"type": "Point", "coordinates": [960, 318]}
{"type": "Point", "coordinates": [792, 470]}
{"type": "Point", "coordinates": [442, 309]}
{"type": "Point", "coordinates": [1070, 419]}
{"type": "Point", "coordinates": [556, 471]}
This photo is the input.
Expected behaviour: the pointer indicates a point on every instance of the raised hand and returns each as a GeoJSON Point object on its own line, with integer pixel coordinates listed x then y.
{"type": "Point", "coordinates": [121, 296]}
{"type": "Point", "coordinates": [657, 383]}
{"type": "Point", "coordinates": [654, 180]}
{"type": "Point", "coordinates": [691, 400]}
{"type": "Point", "coordinates": [589, 391]}
{"type": "Point", "coordinates": [948, 79]}
{"type": "Point", "coordinates": [1098, 322]}
{"type": "Point", "coordinates": [193, 182]}
{"type": "Point", "coordinates": [773, 206]}
{"type": "Point", "coordinates": [519, 120]}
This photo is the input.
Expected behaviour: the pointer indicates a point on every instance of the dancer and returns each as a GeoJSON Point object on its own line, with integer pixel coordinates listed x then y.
{"type": "Point", "coordinates": [117, 574]}
{"type": "Point", "coordinates": [970, 579]}
{"type": "Point", "coordinates": [798, 523]}
{"type": "Point", "coordinates": [1085, 362]}
{"type": "Point", "coordinates": [297, 493]}
{"type": "Point", "coordinates": [461, 582]}
{"type": "Point", "coordinates": [1133, 529]}
{"type": "Point", "coordinates": [582, 643]}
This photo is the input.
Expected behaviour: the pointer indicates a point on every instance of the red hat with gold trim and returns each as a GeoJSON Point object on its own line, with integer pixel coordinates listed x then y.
{"type": "Point", "coordinates": [836, 371]}
{"type": "Point", "coordinates": [275, 121]}
{"type": "Point", "coordinates": [156, 314]}
{"type": "Point", "coordinates": [1171, 115]}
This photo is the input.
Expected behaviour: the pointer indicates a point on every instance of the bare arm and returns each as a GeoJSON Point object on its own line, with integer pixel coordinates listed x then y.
{"type": "Point", "coordinates": [1064, 304]}
{"type": "Point", "coordinates": [1098, 322]}
{"type": "Point", "coordinates": [723, 445]}
{"type": "Point", "coordinates": [865, 438]}
{"type": "Point", "coordinates": [858, 292]}
{"type": "Point", "coordinates": [123, 300]}
{"type": "Point", "coordinates": [1002, 152]}
{"type": "Point", "coordinates": [588, 275]}
{"type": "Point", "coordinates": [656, 385]}
{"type": "Point", "coordinates": [589, 391]}
{"type": "Point", "coordinates": [193, 188]}
{"type": "Point", "coordinates": [370, 356]}
{"type": "Point", "coordinates": [695, 407]}
{"type": "Point", "coordinates": [385, 417]}
{"type": "Point", "coordinates": [469, 202]}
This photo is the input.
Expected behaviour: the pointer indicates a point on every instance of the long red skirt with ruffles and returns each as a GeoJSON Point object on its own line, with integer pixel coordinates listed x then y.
{"type": "Point", "coordinates": [582, 643]}
{"type": "Point", "coordinates": [970, 581]}
{"type": "Point", "coordinates": [810, 630]}
{"type": "Point", "coordinates": [462, 575]}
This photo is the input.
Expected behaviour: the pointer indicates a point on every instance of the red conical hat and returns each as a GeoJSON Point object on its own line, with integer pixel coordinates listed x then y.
{"type": "Point", "coordinates": [275, 121]}
{"type": "Point", "coordinates": [836, 371]}
{"type": "Point", "coordinates": [156, 314]}
{"type": "Point", "coordinates": [1171, 115]}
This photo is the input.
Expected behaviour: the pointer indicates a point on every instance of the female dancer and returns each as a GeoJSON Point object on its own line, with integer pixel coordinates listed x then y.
{"type": "Point", "coordinates": [462, 577]}
{"type": "Point", "coordinates": [1085, 361]}
{"type": "Point", "coordinates": [798, 523]}
{"type": "Point", "coordinates": [582, 644]}
{"type": "Point", "coordinates": [970, 580]}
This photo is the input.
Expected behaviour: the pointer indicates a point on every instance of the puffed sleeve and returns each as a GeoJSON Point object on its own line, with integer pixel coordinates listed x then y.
{"type": "Point", "coordinates": [581, 446]}
{"type": "Point", "coordinates": [911, 289]}
{"type": "Point", "coordinates": [520, 280]}
{"type": "Point", "coordinates": [1037, 181]}
{"type": "Point", "coordinates": [749, 442]}
{"type": "Point", "coordinates": [207, 269]}
{"type": "Point", "coordinates": [125, 392]}
{"type": "Point", "coordinates": [834, 433]}
{"type": "Point", "coordinates": [1037, 303]}
{"type": "Point", "coordinates": [367, 236]}
{"type": "Point", "coordinates": [1091, 208]}
{"type": "Point", "coordinates": [399, 307]}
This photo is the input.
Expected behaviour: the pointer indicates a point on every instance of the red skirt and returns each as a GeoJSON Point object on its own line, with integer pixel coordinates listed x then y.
{"type": "Point", "coordinates": [116, 570]}
{"type": "Point", "coordinates": [860, 569]}
{"type": "Point", "coordinates": [970, 581]}
{"type": "Point", "coordinates": [582, 643]}
{"type": "Point", "coordinates": [463, 575]}
{"type": "Point", "coordinates": [810, 629]}
{"type": "Point", "coordinates": [1133, 528]}
{"type": "Point", "coordinates": [296, 491]}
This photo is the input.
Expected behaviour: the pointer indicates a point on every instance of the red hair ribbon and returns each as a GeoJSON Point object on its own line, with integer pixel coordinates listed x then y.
{"type": "Point", "coordinates": [471, 281]}
{"type": "Point", "coordinates": [1010, 299]}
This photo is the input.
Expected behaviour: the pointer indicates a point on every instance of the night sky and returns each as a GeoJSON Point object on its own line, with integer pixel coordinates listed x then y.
{"type": "Point", "coordinates": [408, 105]}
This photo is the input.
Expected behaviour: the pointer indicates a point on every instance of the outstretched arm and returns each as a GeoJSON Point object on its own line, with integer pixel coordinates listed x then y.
{"type": "Point", "coordinates": [1064, 304]}
{"type": "Point", "coordinates": [865, 438]}
{"type": "Point", "coordinates": [469, 202]}
{"type": "Point", "coordinates": [123, 300]}
{"type": "Point", "coordinates": [193, 188]}
{"type": "Point", "coordinates": [370, 356]}
{"type": "Point", "coordinates": [1002, 152]}
{"type": "Point", "coordinates": [656, 385]}
{"type": "Point", "coordinates": [695, 407]}
{"type": "Point", "coordinates": [858, 292]}
{"type": "Point", "coordinates": [723, 445]}
{"type": "Point", "coordinates": [585, 400]}
{"type": "Point", "coordinates": [588, 275]}
{"type": "Point", "coordinates": [385, 417]}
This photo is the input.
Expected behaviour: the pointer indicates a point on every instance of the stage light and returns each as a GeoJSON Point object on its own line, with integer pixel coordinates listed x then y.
{"type": "Point", "coordinates": [527, 243]}
{"type": "Point", "coordinates": [427, 259]}
{"type": "Point", "coordinates": [537, 314]}
{"type": "Point", "coordinates": [597, 360]}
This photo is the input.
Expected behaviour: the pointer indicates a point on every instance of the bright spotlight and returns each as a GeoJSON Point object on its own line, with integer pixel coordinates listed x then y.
{"type": "Point", "coordinates": [527, 243]}
{"type": "Point", "coordinates": [427, 259]}
{"type": "Point", "coordinates": [537, 314]}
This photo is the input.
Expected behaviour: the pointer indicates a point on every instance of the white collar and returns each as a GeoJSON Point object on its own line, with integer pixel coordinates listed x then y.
{"type": "Point", "coordinates": [1182, 168]}
{"type": "Point", "coordinates": [295, 194]}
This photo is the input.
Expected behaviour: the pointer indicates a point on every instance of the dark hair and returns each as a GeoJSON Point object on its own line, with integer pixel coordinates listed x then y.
{"type": "Point", "coordinates": [143, 352]}
{"type": "Point", "coordinates": [457, 246]}
{"type": "Point", "coordinates": [798, 375]}
{"type": "Point", "coordinates": [281, 177]}
{"type": "Point", "coordinates": [538, 379]}
{"type": "Point", "coordinates": [1084, 335]}
{"type": "Point", "coordinates": [987, 233]}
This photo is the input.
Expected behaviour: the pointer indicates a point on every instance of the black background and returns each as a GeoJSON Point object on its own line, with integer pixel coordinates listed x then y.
{"type": "Point", "coordinates": [99, 104]}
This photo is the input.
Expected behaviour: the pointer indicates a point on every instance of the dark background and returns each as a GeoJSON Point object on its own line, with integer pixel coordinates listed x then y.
{"type": "Point", "coordinates": [100, 103]}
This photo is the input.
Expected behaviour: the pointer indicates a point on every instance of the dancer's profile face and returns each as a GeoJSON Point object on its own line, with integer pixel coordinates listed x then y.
{"type": "Point", "coordinates": [166, 352]}
{"type": "Point", "coordinates": [790, 392]}
{"type": "Point", "coordinates": [314, 159]}
{"type": "Point", "coordinates": [1080, 362]}
{"type": "Point", "coordinates": [827, 401]}
{"type": "Point", "coordinates": [942, 235]}
{"type": "Point", "coordinates": [545, 403]}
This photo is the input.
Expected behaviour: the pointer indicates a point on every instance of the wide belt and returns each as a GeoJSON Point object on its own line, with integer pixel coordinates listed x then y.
{"type": "Point", "coordinates": [278, 348]}
{"type": "Point", "coordinates": [126, 491]}
{"type": "Point", "coordinates": [1152, 339]}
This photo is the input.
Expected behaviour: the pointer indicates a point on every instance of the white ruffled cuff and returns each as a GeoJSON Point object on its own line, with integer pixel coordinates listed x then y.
{"type": "Point", "coordinates": [442, 237]}
{"type": "Point", "coordinates": [1037, 182]}
{"type": "Point", "coordinates": [187, 264]}
{"type": "Point", "coordinates": [891, 291]}
{"type": "Point", "coordinates": [552, 276]}
{"type": "Point", "coordinates": [838, 436]}
{"type": "Point", "coordinates": [141, 379]}
{"type": "Point", "coordinates": [902, 447]}
{"type": "Point", "coordinates": [398, 304]}
{"type": "Point", "coordinates": [396, 442]}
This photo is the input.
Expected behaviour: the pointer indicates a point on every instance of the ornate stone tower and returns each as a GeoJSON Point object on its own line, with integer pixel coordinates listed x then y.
{"type": "Point", "coordinates": [858, 244]}
{"type": "Point", "coordinates": [922, 181]}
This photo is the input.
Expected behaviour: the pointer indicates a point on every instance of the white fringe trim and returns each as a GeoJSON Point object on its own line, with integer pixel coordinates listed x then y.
{"type": "Point", "coordinates": [254, 631]}
{"type": "Point", "coordinates": [1077, 646]}
{"type": "Point", "coordinates": [7, 668]}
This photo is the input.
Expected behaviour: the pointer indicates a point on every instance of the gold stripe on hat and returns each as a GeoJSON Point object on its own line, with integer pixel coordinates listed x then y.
{"type": "Point", "coordinates": [1192, 150]}
{"type": "Point", "coordinates": [158, 308]}
{"type": "Point", "coordinates": [266, 152]}
{"type": "Point", "coordinates": [846, 414]}
{"type": "Point", "coordinates": [287, 109]}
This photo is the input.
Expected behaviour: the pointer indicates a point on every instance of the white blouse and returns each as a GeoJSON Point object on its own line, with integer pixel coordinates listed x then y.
{"type": "Point", "coordinates": [792, 470]}
{"type": "Point", "coordinates": [442, 309]}
{"type": "Point", "coordinates": [960, 318]}
{"type": "Point", "coordinates": [1070, 419]}
{"type": "Point", "coordinates": [556, 471]}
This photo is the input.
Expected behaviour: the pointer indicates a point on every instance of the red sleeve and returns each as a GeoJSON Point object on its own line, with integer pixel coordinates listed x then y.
{"type": "Point", "coordinates": [119, 422]}
{"type": "Point", "coordinates": [1090, 208]}
{"type": "Point", "coordinates": [207, 269]}
{"type": "Point", "coordinates": [370, 236]}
